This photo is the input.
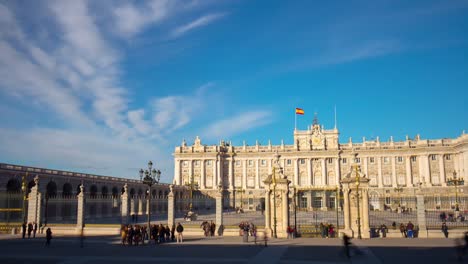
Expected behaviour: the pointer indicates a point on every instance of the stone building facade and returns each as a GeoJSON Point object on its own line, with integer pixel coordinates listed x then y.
{"type": "Point", "coordinates": [316, 163]}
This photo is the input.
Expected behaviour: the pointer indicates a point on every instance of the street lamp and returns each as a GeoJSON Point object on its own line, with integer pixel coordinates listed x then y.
{"type": "Point", "coordinates": [337, 203]}
{"type": "Point", "coordinates": [398, 190]}
{"type": "Point", "coordinates": [455, 182]}
{"type": "Point", "coordinates": [24, 190]}
{"type": "Point", "coordinates": [274, 204]}
{"type": "Point", "coordinates": [151, 177]}
{"type": "Point", "coordinates": [193, 185]}
{"type": "Point", "coordinates": [241, 191]}
{"type": "Point", "coordinates": [294, 197]}
{"type": "Point", "coordinates": [356, 170]}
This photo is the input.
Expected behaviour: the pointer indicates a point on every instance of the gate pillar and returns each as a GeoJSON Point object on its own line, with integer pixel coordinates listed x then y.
{"type": "Point", "coordinates": [276, 201]}
{"type": "Point", "coordinates": [34, 203]}
{"type": "Point", "coordinates": [356, 204]}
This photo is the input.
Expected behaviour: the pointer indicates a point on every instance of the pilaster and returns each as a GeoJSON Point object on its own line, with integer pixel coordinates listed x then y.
{"type": "Point", "coordinates": [409, 178]}
{"type": "Point", "coordinates": [309, 171]}
{"type": "Point", "coordinates": [379, 171]}
{"type": "Point", "coordinates": [202, 175]}
{"type": "Point", "coordinates": [324, 172]}
{"type": "Point", "coordinates": [257, 173]}
{"type": "Point", "coordinates": [442, 176]}
{"type": "Point", "coordinates": [296, 171]}
{"type": "Point", "coordinates": [394, 177]}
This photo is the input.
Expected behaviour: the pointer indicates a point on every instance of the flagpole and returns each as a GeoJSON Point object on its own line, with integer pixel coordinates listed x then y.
{"type": "Point", "coordinates": [295, 120]}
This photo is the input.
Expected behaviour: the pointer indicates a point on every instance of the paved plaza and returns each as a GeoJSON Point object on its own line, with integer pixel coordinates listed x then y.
{"type": "Point", "coordinates": [225, 250]}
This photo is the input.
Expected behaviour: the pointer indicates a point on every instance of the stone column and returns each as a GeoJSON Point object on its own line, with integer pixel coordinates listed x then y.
{"type": "Point", "coordinates": [379, 171]}
{"type": "Point", "coordinates": [257, 173]}
{"type": "Point", "coordinates": [442, 176]}
{"type": "Point", "coordinates": [421, 214]}
{"type": "Point", "coordinates": [409, 178]}
{"type": "Point", "coordinates": [324, 172]}
{"type": "Point", "coordinates": [132, 206]}
{"type": "Point", "coordinates": [34, 203]}
{"type": "Point", "coordinates": [324, 201]}
{"type": "Point", "coordinates": [124, 203]}
{"type": "Point", "coordinates": [81, 210]}
{"type": "Point", "coordinates": [365, 213]}
{"type": "Point", "coordinates": [268, 228]}
{"type": "Point", "coordinates": [170, 207]}
{"type": "Point", "coordinates": [338, 171]}
{"type": "Point", "coordinates": [347, 230]}
{"type": "Point", "coordinates": [428, 170]}
{"type": "Point", "coordinates": [309, 172]}
{"type": "Point", "coordinates": [296, 172]}
{"type": "Point", "coordinates": [178, 175]}
{"type": "Point", "coordinates": [394, 177]}
{"type": "Point", "coordinates": [244, 174]}
{"type": "Point", "coordinates": [219, 172]}
{"type": "Point", "coordinates": [219, 211]}
{"type": "Point", "coordinates": [231, 174]}
{"type": "Point", "coordinates": [202, 175]}
{"type": "Point", "coordinates": [140, 206]}
{"type": "Point", "coordinates": [215, 176]}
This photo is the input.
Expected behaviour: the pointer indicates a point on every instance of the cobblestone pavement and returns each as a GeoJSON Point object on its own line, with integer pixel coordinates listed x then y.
{"type": "Point", "coordinates": [225, 250]}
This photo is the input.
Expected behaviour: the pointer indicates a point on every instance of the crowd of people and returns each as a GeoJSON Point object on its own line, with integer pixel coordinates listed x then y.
{"type": "Point", "coordinates": [136, 234]}
{"type": "Point", "coordinates": [450, 217]}
{"type": "Point", "coordinates": [327, 230]}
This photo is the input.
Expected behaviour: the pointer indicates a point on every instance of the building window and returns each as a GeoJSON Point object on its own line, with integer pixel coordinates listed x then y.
{"type": "Point", "coordinates": [385, 160]}
{"type": "Point", "coordinates": [288, 162]}
{"type": "Point", "coordinates": [371, 160]}
{"type": "Point", "coordinates": [263, 162]}
{"type": "Point", "coordinates": [208, 162]}
{"type": "Point", "coordinates": [238, 163]}
{"type": "Point", "coordinates": [400, 159]}
{"type": "Point", "coordinates": [250, 163]}
{"type": "Point", "coordinates": [185, 163]}
{"type": "Point", "coordinates": [330, 161]}
{"type": "Point", "coordinates": [197, 163]}
{"type": "Point", "coordinates": [433, 157]}
{"type": "Point", "coordinates": [388, 200]}
{"type": "Point", "coordinates": [302, 161]}
{"type": "Point", "coordinates": [447, 157]}
{"type": "Point", "coordinates": [413, 158]}
{"type": "Point", "coordinates": [358, 160]}
{"type": "Point", "coordinates": [344, 160]}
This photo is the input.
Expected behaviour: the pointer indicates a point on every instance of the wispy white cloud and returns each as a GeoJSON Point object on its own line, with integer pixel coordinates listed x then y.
{"type": "Point", "coordinates": [237, 124]}
{"type": "Point", "coordinates": [131, 19]}
{"type": "Point", "coordinates": [197, 23]}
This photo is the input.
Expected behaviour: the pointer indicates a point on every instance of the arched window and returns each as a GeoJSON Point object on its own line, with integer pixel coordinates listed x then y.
{"type": "Point", "coordinates": [132, 192]}
{"type": "Point", "coordinates": [104, 191]}
{"type": "Point", "coordinates": [51, 189]}
{"type": "Point", "coordinates": [115, 192]}
{"type": "Point", "coordinates": [93, 190]}
{"type": "Point", "coordinates": [140, 192]}
{"type": "Point", "coordinates": [67, 189]}
{"type": "Point", "coordinates": [13, 185]}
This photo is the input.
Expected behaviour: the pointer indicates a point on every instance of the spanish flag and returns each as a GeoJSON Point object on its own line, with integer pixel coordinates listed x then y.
{"type": "Point", "coordinates": [299, 111]}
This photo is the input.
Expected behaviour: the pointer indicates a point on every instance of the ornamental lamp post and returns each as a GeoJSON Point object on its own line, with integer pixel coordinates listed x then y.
{"type": "Point", "coordinates": [455, 182]}
{"type": "Point", "coordinates": [151, 177]}
{"type": "Point", "coordinates": [193, 185]}
{"type": "Point", "coordinates": [24, 190]}
{"type": "Point", "coordinates": [398, 190]}
{"type": "Point", "coordinates": [356, 169]}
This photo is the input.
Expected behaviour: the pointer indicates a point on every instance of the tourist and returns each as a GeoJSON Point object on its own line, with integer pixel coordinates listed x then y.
{"type": "Point", "coordinates": [403, 230]}
{"type": "Point", "coordinates": [24, 229]}
{"type": "Point", "coordinates": [246, 233]}
{"type": "Point", "coordinates": [331, 231]}
{"type": "Point", "coordinates": [212, 228]}
{"type": "Point", "coordinates": [180, 230]}
{"type": "Point", "coordinates": [168, 233]}
{"type": "Point", "coordinates": [409, 229]}
{"type": "Point", "coordinates": [123, 234]}
{"type": "Point", "coordinates": [445, 230]}
{"type": "Point", "coordinates": [30, 229]}
{"type": "Point", "coordinates": [173, 233]}
{"type": "Point", "coordinates": [34, 229]}
{"type": "Point", "coordinates": [346, 243]}
{"type": "Point", "coordinates": [383, 230]}
{"type": "Point", "coordinates": [48, 236]}
{"type": "Point", "coordinates": [154, 234]}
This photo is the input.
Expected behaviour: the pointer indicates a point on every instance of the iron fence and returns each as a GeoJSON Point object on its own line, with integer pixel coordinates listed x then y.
{"type": "Point", "coordinates": [392, 211]}
{"type": "Point", "coordinates": [446, 209]}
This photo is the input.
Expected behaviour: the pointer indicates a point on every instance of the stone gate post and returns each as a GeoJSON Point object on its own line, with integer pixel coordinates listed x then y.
{"type": "Point", "coordinates": [356, 204]}
{"type": "Point", "coordinates": [34, 203]}
{"type": "Point", "coordinates": [81, 210]}
{"type": "Point", "coordinates": [124, 203]}
{"type": "Point", "coordinates": [421, 214]}
{"type": "Point", "coordinates": [170, 207]}
{"type": "Point", "coordinates": [219, 210]}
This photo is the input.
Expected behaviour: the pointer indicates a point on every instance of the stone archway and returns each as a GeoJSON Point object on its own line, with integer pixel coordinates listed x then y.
{"type": "Point", "coordinates": [51, 189]}
{"type": "Point", "coordinates": [13, 185]}
{"type": "Point", "coordinates": [67, 189]}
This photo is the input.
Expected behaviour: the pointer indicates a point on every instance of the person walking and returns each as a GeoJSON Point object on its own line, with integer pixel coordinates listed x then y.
{"type": "Point", "coordinates": [24, 229]}
{"type": "Point", "coordinates": [48, 236]}
{"type": "Point", "coordinates": [409, 229]}
{"type": "Point", "coordinates": [212, 228]}
{"type": "Point", "coordinates": [383, 230]}
{"type": "Point", "coordinates": [445, 229]}
{"type": "Point", "coordinates": [180, 230]}
{"type": "Point", "coordinates": [30, 229]}
{"type": "Point", "coordinates": [173, 233]}
{"type": "Point", "coordinates": [34, 229]}
{"type": "Point", "coordinates": [403, 230]}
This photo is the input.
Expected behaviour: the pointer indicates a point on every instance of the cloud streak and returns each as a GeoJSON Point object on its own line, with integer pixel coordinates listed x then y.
{"type": "Point", "coordinates": [197, 23]}
{"type": "Point", "coordinates": [237, 124]}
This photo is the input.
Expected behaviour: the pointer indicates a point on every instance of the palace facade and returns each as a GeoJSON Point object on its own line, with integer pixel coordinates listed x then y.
{"type": "Point", "coordinates": [316, 163]}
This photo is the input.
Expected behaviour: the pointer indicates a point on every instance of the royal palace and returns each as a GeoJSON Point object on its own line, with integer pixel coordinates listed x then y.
{"type": "Point", "coordinates": [317, 161]}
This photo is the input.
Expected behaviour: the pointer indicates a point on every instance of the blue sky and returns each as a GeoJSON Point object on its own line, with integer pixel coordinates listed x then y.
{"type": "Point", "coordinates": [104, 86]}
